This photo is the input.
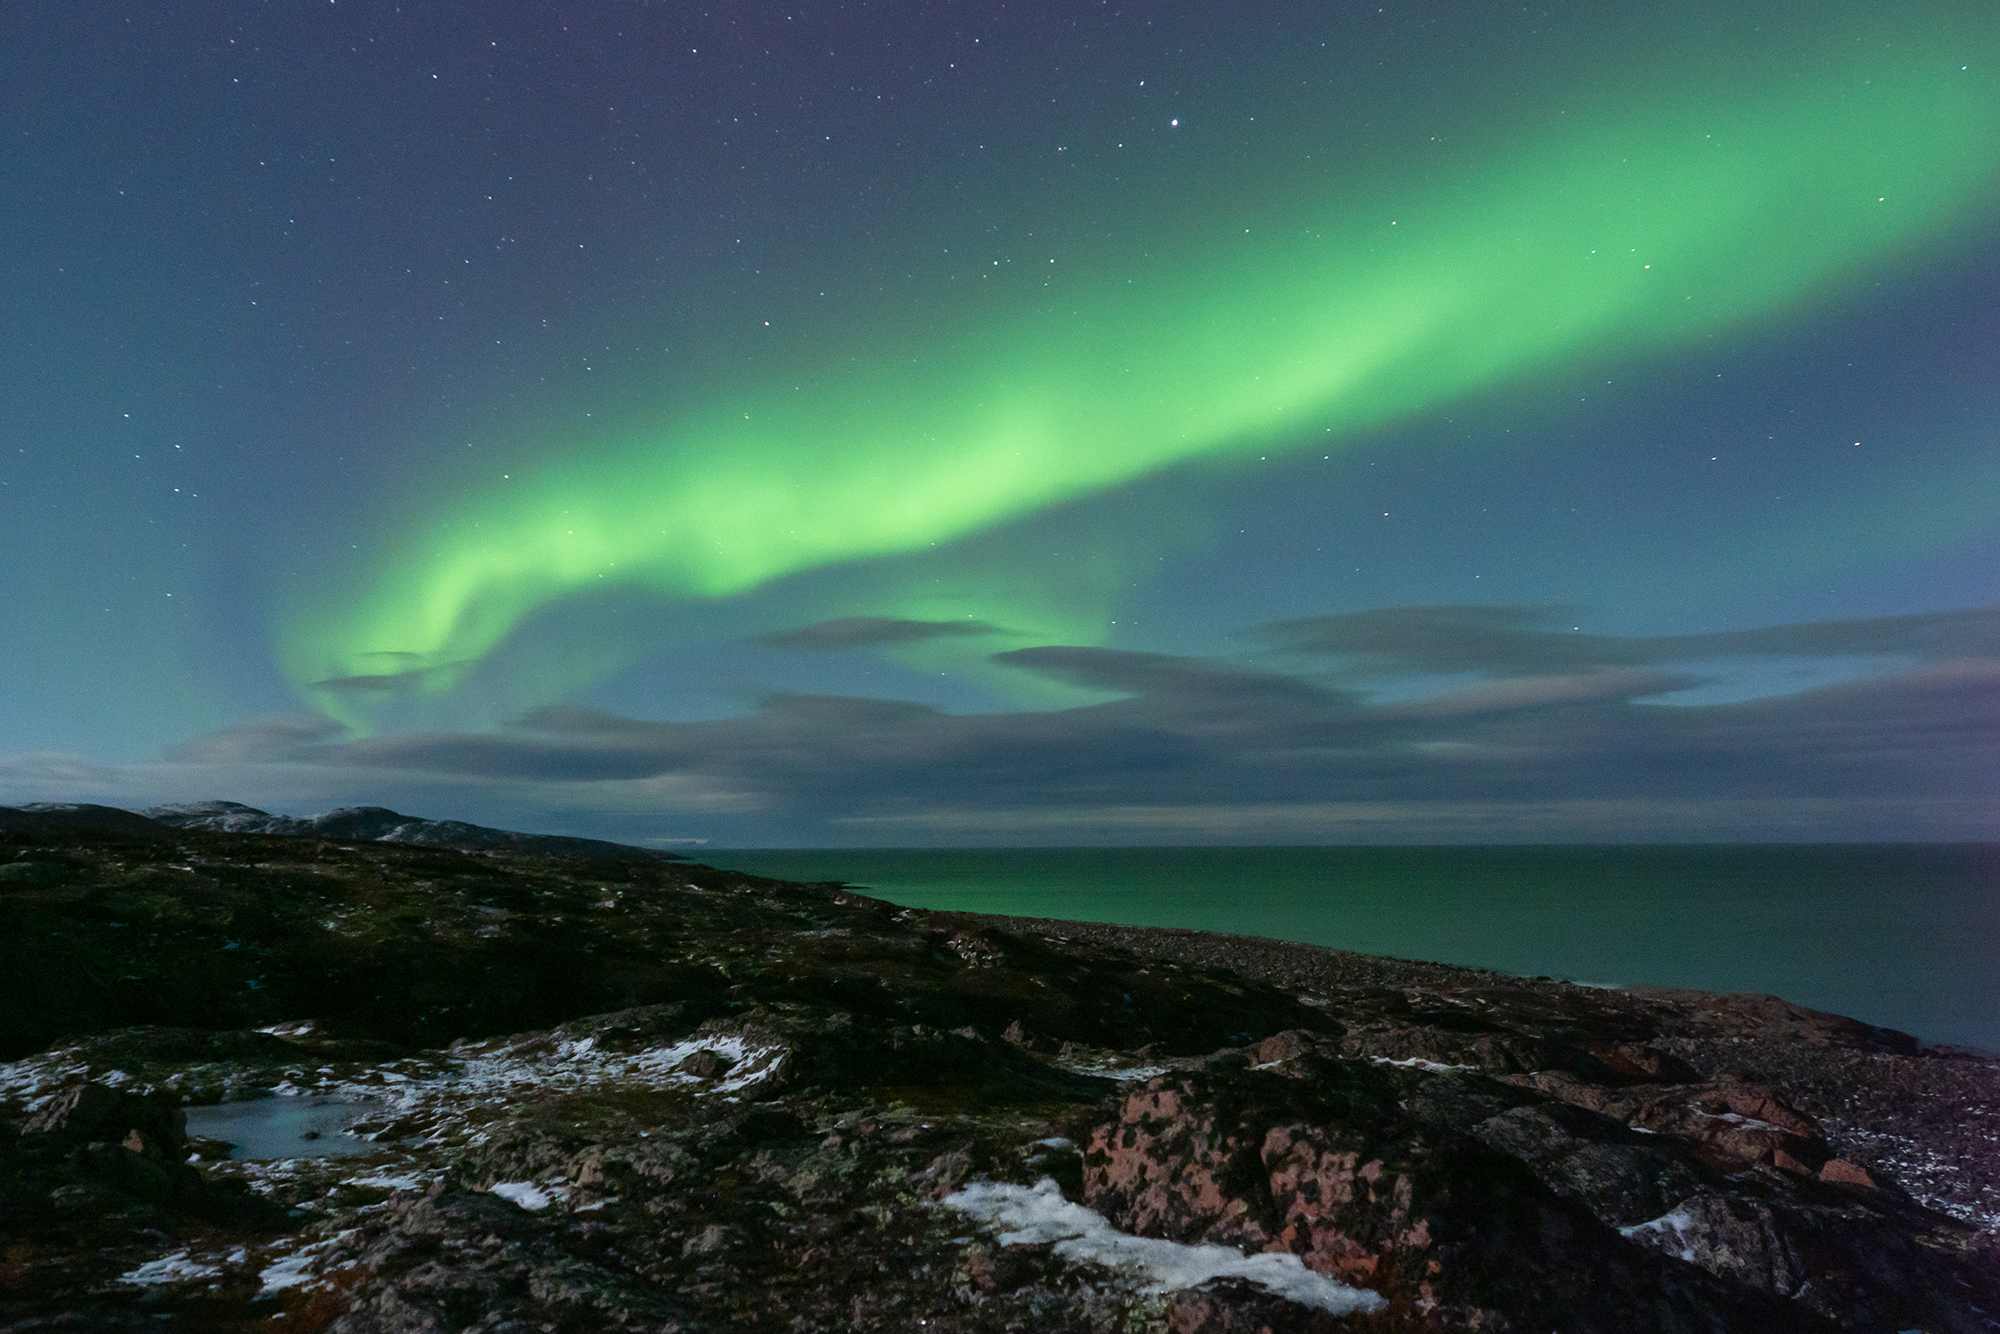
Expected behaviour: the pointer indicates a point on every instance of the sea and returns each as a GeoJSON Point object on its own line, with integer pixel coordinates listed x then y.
{"type": "Point", "coordinates": [1906, 936]}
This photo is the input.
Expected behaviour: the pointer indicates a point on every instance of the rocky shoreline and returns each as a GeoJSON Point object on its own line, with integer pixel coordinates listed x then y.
{"type": "Point", "coordinates": [1928, 1111]}
{"type": "Point", "coordinates": [596, 1088]}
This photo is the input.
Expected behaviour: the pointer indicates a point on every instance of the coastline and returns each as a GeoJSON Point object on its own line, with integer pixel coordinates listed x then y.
{"type": "Point", "coordinates": [584, 1087]}
{"type": "Point", "coordinates": [1899, 936]}
{"type": "Point", "coordinates": [1930, 1112]}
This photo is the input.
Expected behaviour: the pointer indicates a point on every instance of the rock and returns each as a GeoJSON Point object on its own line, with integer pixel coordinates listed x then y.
{"type": "Point", "coordinates": [705, 1064]}
{"type": "Point", "coordinates": [1007, 1268]}
{"type": "Point", "coordinates": [1734, 1238]}
{"type": "Point", "coordinates": [1286, 1046]}
{"type": "Point", "coordinates": [1741, 1121]}
{"type": "Point", "coordinates": [1337, 1164]}
{"type": "Point", "coordinates": [131, 1172]}
{"type": "Point", "coordinates": [1622, 1177]}
{"type": "Point", "coordinates": [1643, 1064]}
{"type": "Point", "coordinates": [1235, 1306]}
{"type": "Point", "coordinates": [85, 1112]}
{"type": "Point", "coordinates": [708, 1241]}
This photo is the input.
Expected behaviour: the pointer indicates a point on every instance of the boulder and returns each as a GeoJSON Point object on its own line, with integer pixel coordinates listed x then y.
{"type": "Point", "coordinates": [1342, 1165]}
{"type": "Point", "coordinates": [88, 1113]}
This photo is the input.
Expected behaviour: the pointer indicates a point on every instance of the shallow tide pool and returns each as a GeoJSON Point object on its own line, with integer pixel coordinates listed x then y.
{"type": "Point", "coordinates": [296, 1126]}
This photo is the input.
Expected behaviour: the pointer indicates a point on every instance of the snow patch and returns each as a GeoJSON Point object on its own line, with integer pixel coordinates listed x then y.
{"type": "Point", "coordinates": [1105, 1064]}
{"type": "Point", "coordinates": [291, 1272]}
{"type": "Point", "coordinates": [1737, 1119]}
{"type": "Point", "coordinates": [747, 1064]}
{"type": "Point", "coordinates": [524, 1193]}
{"type": "Point", "coordinates": [1669, 1232]}
{"type": "Point", "coordinates": [1038, 1214]}
{"type": "Point", "coordinates": [1419, 1063]}
{"type": "Point", "coordinates": [302, 1268]}
{"type": "Point", "coordinates": [175, 1268]}
{"type": "Point", "coordinates": [387, 1182]}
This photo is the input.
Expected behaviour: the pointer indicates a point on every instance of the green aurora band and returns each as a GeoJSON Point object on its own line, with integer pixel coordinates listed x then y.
{"type": "Point", "coordinates": [1624, 231]}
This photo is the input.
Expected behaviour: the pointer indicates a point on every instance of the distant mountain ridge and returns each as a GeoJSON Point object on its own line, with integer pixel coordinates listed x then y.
{"type": "Point", "coordinates": [358, 824]}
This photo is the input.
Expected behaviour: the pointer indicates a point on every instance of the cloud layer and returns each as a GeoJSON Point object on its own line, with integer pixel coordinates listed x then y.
{"type": "Point", "coordinates": [1514, 640]}
{"type": "Point", "coordinates": [872, 631]}
{"type": "Point", "coordinates": [1537, 735]}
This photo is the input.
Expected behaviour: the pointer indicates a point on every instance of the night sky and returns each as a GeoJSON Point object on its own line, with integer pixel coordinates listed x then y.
{"type": "Point", "coordinates": [931, 423]}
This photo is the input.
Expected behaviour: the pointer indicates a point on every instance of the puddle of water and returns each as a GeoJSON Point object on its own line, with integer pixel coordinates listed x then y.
{"type": "Point", "coordinates": [286, 1127]}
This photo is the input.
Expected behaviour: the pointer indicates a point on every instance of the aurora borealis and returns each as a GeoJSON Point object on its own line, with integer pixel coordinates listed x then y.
{"type": "Point", "coordinates": [1654, 225]}
{"type": "Point", "coordinates": [615, 423]}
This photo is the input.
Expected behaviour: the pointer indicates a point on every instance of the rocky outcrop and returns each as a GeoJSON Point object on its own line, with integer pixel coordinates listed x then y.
{"type": "Point", "coordinates": [1730, 1122]}
{"type": "Point", "coordinates": [596, 1092]}
{"type": "Point", "coordinates": [83, 1113]}
{"type": "Point", "coordinates": [1366, 1174]}
{"type": "Point", "coordinates": [91, 1152]}
{"type": "Point", "coordinates": [1466, 1199]}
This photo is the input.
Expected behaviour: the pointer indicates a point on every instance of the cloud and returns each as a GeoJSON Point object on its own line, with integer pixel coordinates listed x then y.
{"type": "Point", "coordinates": [1257, 750]}
{"type": "Point", "coordinates": [264, 741]}
{"type": "Point", "coordinates": [1191, 682]}
{"type": "Point", "coordinates": [393, 683]}
{"type": "Point", "coordinates": [1506, 641]}
{"type": "Point", "coordinates": [869, 631]}
{"type": "Point", "coordinates": [56, 776]}
{"type": "Point", "coordinates": [1796, 819]}
{"type": "Point", "coordinates": [1521, 692]}
{"type": "Point", "coordinates": [387, 683]}
{"type": "Point", "coordinates": [1208, 750]}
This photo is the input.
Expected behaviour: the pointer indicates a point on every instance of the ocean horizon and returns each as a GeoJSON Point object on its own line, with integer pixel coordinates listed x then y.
{"type": "Point", "coordinates": [1902, 935]}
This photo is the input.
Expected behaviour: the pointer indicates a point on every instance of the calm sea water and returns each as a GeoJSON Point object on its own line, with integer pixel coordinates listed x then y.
{"type": "Point", "coordinates": [1903, 935]}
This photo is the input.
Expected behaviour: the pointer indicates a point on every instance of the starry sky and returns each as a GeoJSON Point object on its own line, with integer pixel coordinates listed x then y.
{"type": "Point", "coordinates": [926, 423]}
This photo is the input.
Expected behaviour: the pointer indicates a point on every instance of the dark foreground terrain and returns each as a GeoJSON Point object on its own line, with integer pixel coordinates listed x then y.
{"type": "Point", "coordinates": [593, 1087]}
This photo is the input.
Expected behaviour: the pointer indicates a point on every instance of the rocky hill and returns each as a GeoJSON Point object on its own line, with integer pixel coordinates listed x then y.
{"type": "Point", "coordinates": [485, 1081]}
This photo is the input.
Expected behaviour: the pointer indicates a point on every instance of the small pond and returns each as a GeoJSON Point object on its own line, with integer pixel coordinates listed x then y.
{"type": "Point", "coordinates": [299, 1126]}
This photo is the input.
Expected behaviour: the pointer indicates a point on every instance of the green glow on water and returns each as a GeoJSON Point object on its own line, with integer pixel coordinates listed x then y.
{"type": "Point", "coordinates": [1898, 935]}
